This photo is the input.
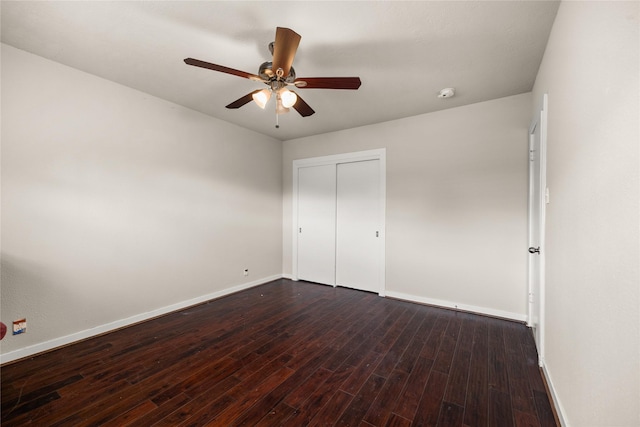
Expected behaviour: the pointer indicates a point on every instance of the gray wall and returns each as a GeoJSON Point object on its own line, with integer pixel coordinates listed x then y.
{"type": "Point", "coordinates": [456, 230]}
{"type": "Point", "coordinates": [116, 204]}
{"type": "Point", "coordinates": [590, 72]}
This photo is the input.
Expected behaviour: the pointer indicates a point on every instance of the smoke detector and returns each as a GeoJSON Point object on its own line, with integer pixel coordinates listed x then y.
{"type": "Point", "coordinates": [447, 93]}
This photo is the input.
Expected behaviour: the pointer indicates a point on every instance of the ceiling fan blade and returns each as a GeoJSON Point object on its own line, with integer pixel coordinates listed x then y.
{"type": "Point", "coordinates": [302, 107]}
{"type": "Point", "coordinates": [222, 69]}
{"type": "Point", "coordinates": [244, 100]}
{"type": "Point", "coordinates": [328, 83]}
{"type": "Point", "coordinates": [284, 49]}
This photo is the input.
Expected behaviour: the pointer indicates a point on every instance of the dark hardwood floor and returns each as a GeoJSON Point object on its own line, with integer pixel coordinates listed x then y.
{"type": "Point", "coordinates": [293, 354]}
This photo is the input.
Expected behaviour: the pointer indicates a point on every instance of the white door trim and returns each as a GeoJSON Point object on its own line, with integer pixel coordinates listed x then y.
{"type": "Point", "coordinates": [377, 154]}
{"type": "Point", "coordinates": [540, 120]}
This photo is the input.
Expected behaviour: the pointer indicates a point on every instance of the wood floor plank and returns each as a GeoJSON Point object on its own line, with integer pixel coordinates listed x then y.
{"type": "Point", "coordinates": [459, 372]}
{"type": "Point", "coordinates": [351, 339]}
{"type": "Point", "coordinates": [391, 335]}
{"type": "Point", "coordinates": [500, 409]}
{"type": "Point", "coordinates": [410, 396]}
{"type": "Point", "coordinates": [161, 411]}
{"type": "Point", "coordinates": [530, 354]}
{"type": "Point", "coordinates": [397, 421]}
{"type": "Point", "coordinates": [200, 380]}
{"type": "Point", "coordinates": [444, 358]}
{"type": "Point", "coordinates": [295, 398]}
{"type": "Point", "coordinates": [521, 394]}
{"type": "Point", "coordinates": [399, 347]}
{"type": "Point", "coordinates": [203, 406]}
{"type": "Point", "coordinates": [321, 396]}
{"type": "Point", "coordinates": [330, 413]}
{"type": "Point", "coordinates": [524, 419]}
{"type": "Point", "coordinates": [407, 361]}
{"type": "Point", "coordinates": [458, 378]}
{"type": "Point", "coordinates": [277, 416]}
{"type": "Point", "coordinates": [428, 411]}
{"type": "Point", "coordinates": [451, 415]}
{"type": "Point", "coordinates": [13, 412]}
{"type": "Point", "coordinates": [544, 409]}
{"type": "Point", "coordinates": [367, 366]}
{"type": "Point", "coordinates": [355, 412]}
{"type": "Point", "coordinates": [105, 410]}
{"type": "Point", "coordinates": [133, 414]}
{"type": "Point", "coordinates": [277, 394]}
{"type": "Point", "coordinates": [39, 395]}
{"type": "Point", "coordinates": [288, 353]}
{"type": "Point", "coordinates": [497, 359]}
{"type": "Point", "coordinates": [380, 409]}
{"type": "Point", "coordinates": [477, 400]}
{"type": "Point", "coordinates": [58, 409]}
{"type": "Point", "coordinates": [434, 340]}
{"type": "Point", "coordinates": [243, 401]}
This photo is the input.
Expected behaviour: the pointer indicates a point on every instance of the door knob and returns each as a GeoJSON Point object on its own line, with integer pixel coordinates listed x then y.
{"type": "Point", "coordinates": [533, 250]}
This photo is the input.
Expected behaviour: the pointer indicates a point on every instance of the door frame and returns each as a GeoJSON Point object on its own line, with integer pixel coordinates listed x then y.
{"type": "Point", "coordinates": [540, 121]}
{"type": "Point", "coordinates": [335, 159]}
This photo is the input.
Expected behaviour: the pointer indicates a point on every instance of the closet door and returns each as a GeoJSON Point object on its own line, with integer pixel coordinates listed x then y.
{"type": "Point", "coordinates": [358, 219]}
{"type": "Point", "coordinates": [317, 224]}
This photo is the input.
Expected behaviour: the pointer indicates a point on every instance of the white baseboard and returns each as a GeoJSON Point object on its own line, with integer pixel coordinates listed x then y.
{"type": "Point", "coordinates": [456, 306]}
{"type": "Point", "coordinates": [290, 277]}
{"type": "Point", "coordinates": [88, 333]}
{"type": "Point", "coordinates": [556, 402]}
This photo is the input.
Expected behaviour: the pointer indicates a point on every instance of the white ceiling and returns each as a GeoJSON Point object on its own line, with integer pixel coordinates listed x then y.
{"type": "Point", "coordinates": [404, 52]}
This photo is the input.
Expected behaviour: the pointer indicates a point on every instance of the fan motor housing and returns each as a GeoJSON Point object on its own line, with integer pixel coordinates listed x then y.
{"type": "Point", "coordinates": [267, 73]}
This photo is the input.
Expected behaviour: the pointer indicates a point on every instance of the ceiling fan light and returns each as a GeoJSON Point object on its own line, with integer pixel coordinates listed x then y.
{"type": "Point", "coordinates": [288, 98]}
{"type": "Point", "coordinates": [280, 108]}
{"type": "Point", "coordinates": [261, 98]}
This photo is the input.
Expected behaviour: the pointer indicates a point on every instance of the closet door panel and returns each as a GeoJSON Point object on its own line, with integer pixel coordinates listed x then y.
{"type": "Point", "coordinates": [358, 225]}
{"type": "Point", "coordinates": [317, 224]}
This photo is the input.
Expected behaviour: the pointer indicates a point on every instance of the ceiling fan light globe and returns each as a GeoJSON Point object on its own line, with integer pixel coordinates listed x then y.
{"type": "Point", "coordinates": [261, 98]}
{"type": "Point", "coordinates": [288, 98]}
{"type": "Point", "coordinates": [280, 108]}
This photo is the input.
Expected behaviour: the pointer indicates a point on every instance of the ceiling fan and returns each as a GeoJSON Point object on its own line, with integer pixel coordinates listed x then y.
{"type": "Point", "coordinates": [278, 74]}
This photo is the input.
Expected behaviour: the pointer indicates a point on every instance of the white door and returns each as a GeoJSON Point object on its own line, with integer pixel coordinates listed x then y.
{"type": "Point", "coordinates": [537, 205]}
{"type": "Point", "coordinates": [358, 222]}
{"type": "Point", "coordinates": [317, 224]}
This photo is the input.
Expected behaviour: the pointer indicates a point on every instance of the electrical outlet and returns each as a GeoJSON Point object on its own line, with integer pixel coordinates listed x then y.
{"type": "Point", "coordinates": [19, 326]}
{"type": "Point", "coordinates": [246, 271]}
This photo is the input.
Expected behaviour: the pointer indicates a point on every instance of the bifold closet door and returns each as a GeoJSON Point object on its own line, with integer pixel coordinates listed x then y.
{"type": "Point", "coordinates": [317, 224]}
{"type": "Point", "coordinates": [358, 225]}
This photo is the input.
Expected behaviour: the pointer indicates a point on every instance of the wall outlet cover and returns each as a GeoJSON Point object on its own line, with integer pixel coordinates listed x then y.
{"type": "Point", "coordinates": [19, 326]}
